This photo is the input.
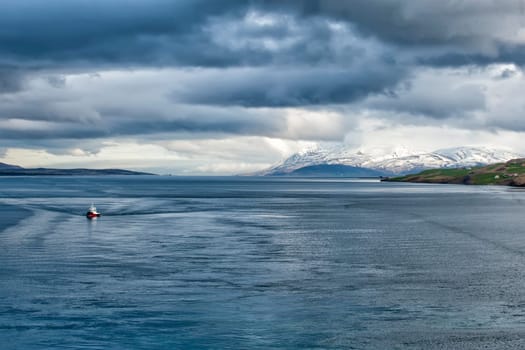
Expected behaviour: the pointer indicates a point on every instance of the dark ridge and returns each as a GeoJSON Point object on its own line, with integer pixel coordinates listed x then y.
{"type": "Point", "coordinates": [333, 170]}
{"type": "Point", "coordinates": [12, 170]}
{"type": "Point", "coordinates": [4, 166]}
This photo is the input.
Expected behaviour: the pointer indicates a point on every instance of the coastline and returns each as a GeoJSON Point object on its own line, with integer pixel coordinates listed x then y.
{"type": "Point", "coordinates": [511, 173]}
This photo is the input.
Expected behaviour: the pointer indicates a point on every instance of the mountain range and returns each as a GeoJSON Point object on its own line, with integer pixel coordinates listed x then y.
{"type": "Point", "coordinates": [340, 160]}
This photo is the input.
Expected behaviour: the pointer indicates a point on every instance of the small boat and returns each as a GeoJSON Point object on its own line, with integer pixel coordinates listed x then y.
{"type": "Point", "coordinates": [92, 212]}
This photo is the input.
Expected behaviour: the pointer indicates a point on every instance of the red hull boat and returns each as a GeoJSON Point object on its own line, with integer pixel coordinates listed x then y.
{"type": "Point", "coordinates": [92, 212]}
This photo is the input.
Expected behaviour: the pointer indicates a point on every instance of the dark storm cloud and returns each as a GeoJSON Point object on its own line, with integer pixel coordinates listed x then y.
{"type": "Point", "coordinates": [11, 79]}
{"type": "Point", "coordinates": [58, 33]}
{"type": "Point", "coordinates": [472, 23]}
{"type": "Point", "coordinates": [195, 120]}
{"type": "Point", "coordinates": [46, 33]}
{"type": "Point", "coordinates": [96, 33]}
{"type": "Point", "coordinates": [502, 53]}
{"type": "Point", "coordinates": [437, 100]}
{"type": "Point", "coordinates": [120, 33]}
{"type": "Point", "coordinates": [65, 116]}
{"type": "Point", "coordinates": [93, 35]}
{"type": "Point", "coordinates": [134, 127]}
{"type": "Point", "coordinates": [290, 87]}
{"type": "Point", "coordinates": [17, 129]}
{"type": "Point", "coordinates": [261, 54]}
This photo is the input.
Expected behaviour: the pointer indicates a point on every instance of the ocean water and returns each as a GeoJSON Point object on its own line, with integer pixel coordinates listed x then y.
{"type": "Point", "coordinates": [259, 263]}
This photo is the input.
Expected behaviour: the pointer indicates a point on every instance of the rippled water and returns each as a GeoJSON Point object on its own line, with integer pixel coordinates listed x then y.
{"type": "Point", "coordinates": [258, 263]}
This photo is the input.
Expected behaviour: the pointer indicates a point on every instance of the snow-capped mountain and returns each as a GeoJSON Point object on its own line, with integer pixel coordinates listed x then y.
{"type": "Point", "coordinates": [399, 160]}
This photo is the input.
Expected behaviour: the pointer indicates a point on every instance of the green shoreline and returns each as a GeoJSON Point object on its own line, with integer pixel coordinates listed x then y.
{"type": "Point", "coordinates": [511, 173]}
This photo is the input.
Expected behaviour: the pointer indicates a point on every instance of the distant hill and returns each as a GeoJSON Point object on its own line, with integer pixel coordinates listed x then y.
{"type": "Point", "coordinates": [511, 173]}
{"type": "Point", "coordinates": [15, 170]}
{"type": "Point", "coordinates": [4, 166]}
{"type": "Point", "coordinates": [333, 170]}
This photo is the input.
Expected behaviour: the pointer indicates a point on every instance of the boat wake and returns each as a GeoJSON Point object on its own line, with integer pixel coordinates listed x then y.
{"type": "Point", "coordinates": [119, 211]}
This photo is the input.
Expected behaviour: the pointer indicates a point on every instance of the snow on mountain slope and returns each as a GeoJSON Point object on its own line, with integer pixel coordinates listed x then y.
{"type": "Point", "coordinates": [399, 160]}
{"type": "Point", "coordinates": [336, 154]}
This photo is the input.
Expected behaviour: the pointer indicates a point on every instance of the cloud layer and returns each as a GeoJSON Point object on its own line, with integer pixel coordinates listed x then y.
{"type": "Point", "coordinates": [75, 75]}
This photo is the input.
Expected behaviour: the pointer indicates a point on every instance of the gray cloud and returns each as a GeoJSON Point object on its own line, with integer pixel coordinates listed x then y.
{"type": "Point", "coordinates": [162, 33]}
{"type": "Point", "coordinates": [434, 101]}
{"type": "Point", "coordinates": [11, 79]}
{"type": "Point", "coordinates": [43, 33]}
{"type": "Point", "coordinates": [97, 33]}
{"type": "Point", "coordinates": [195, 120]}
{"type": "Point", "coordinates": [217, 33]}
{"type": "Point", "coordinates": [474, 25]}
{"type": "Point", "coordinates": [57, 120]}
{"type": "Point", "coordinates": [235, 67]}
{"type": "Point", "coordinates": [290, 87]}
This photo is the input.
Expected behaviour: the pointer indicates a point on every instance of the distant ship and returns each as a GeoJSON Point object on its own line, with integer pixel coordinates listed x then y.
{"type": "Point", "coordinates": [92, 212]}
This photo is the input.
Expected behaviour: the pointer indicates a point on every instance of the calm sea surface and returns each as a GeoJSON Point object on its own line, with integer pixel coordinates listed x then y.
{"type": "Point", "coordinates": [259, 263]}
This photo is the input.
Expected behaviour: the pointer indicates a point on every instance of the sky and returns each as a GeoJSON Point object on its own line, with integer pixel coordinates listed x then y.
{"type": "Point", "coordinates": [229, 87]}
